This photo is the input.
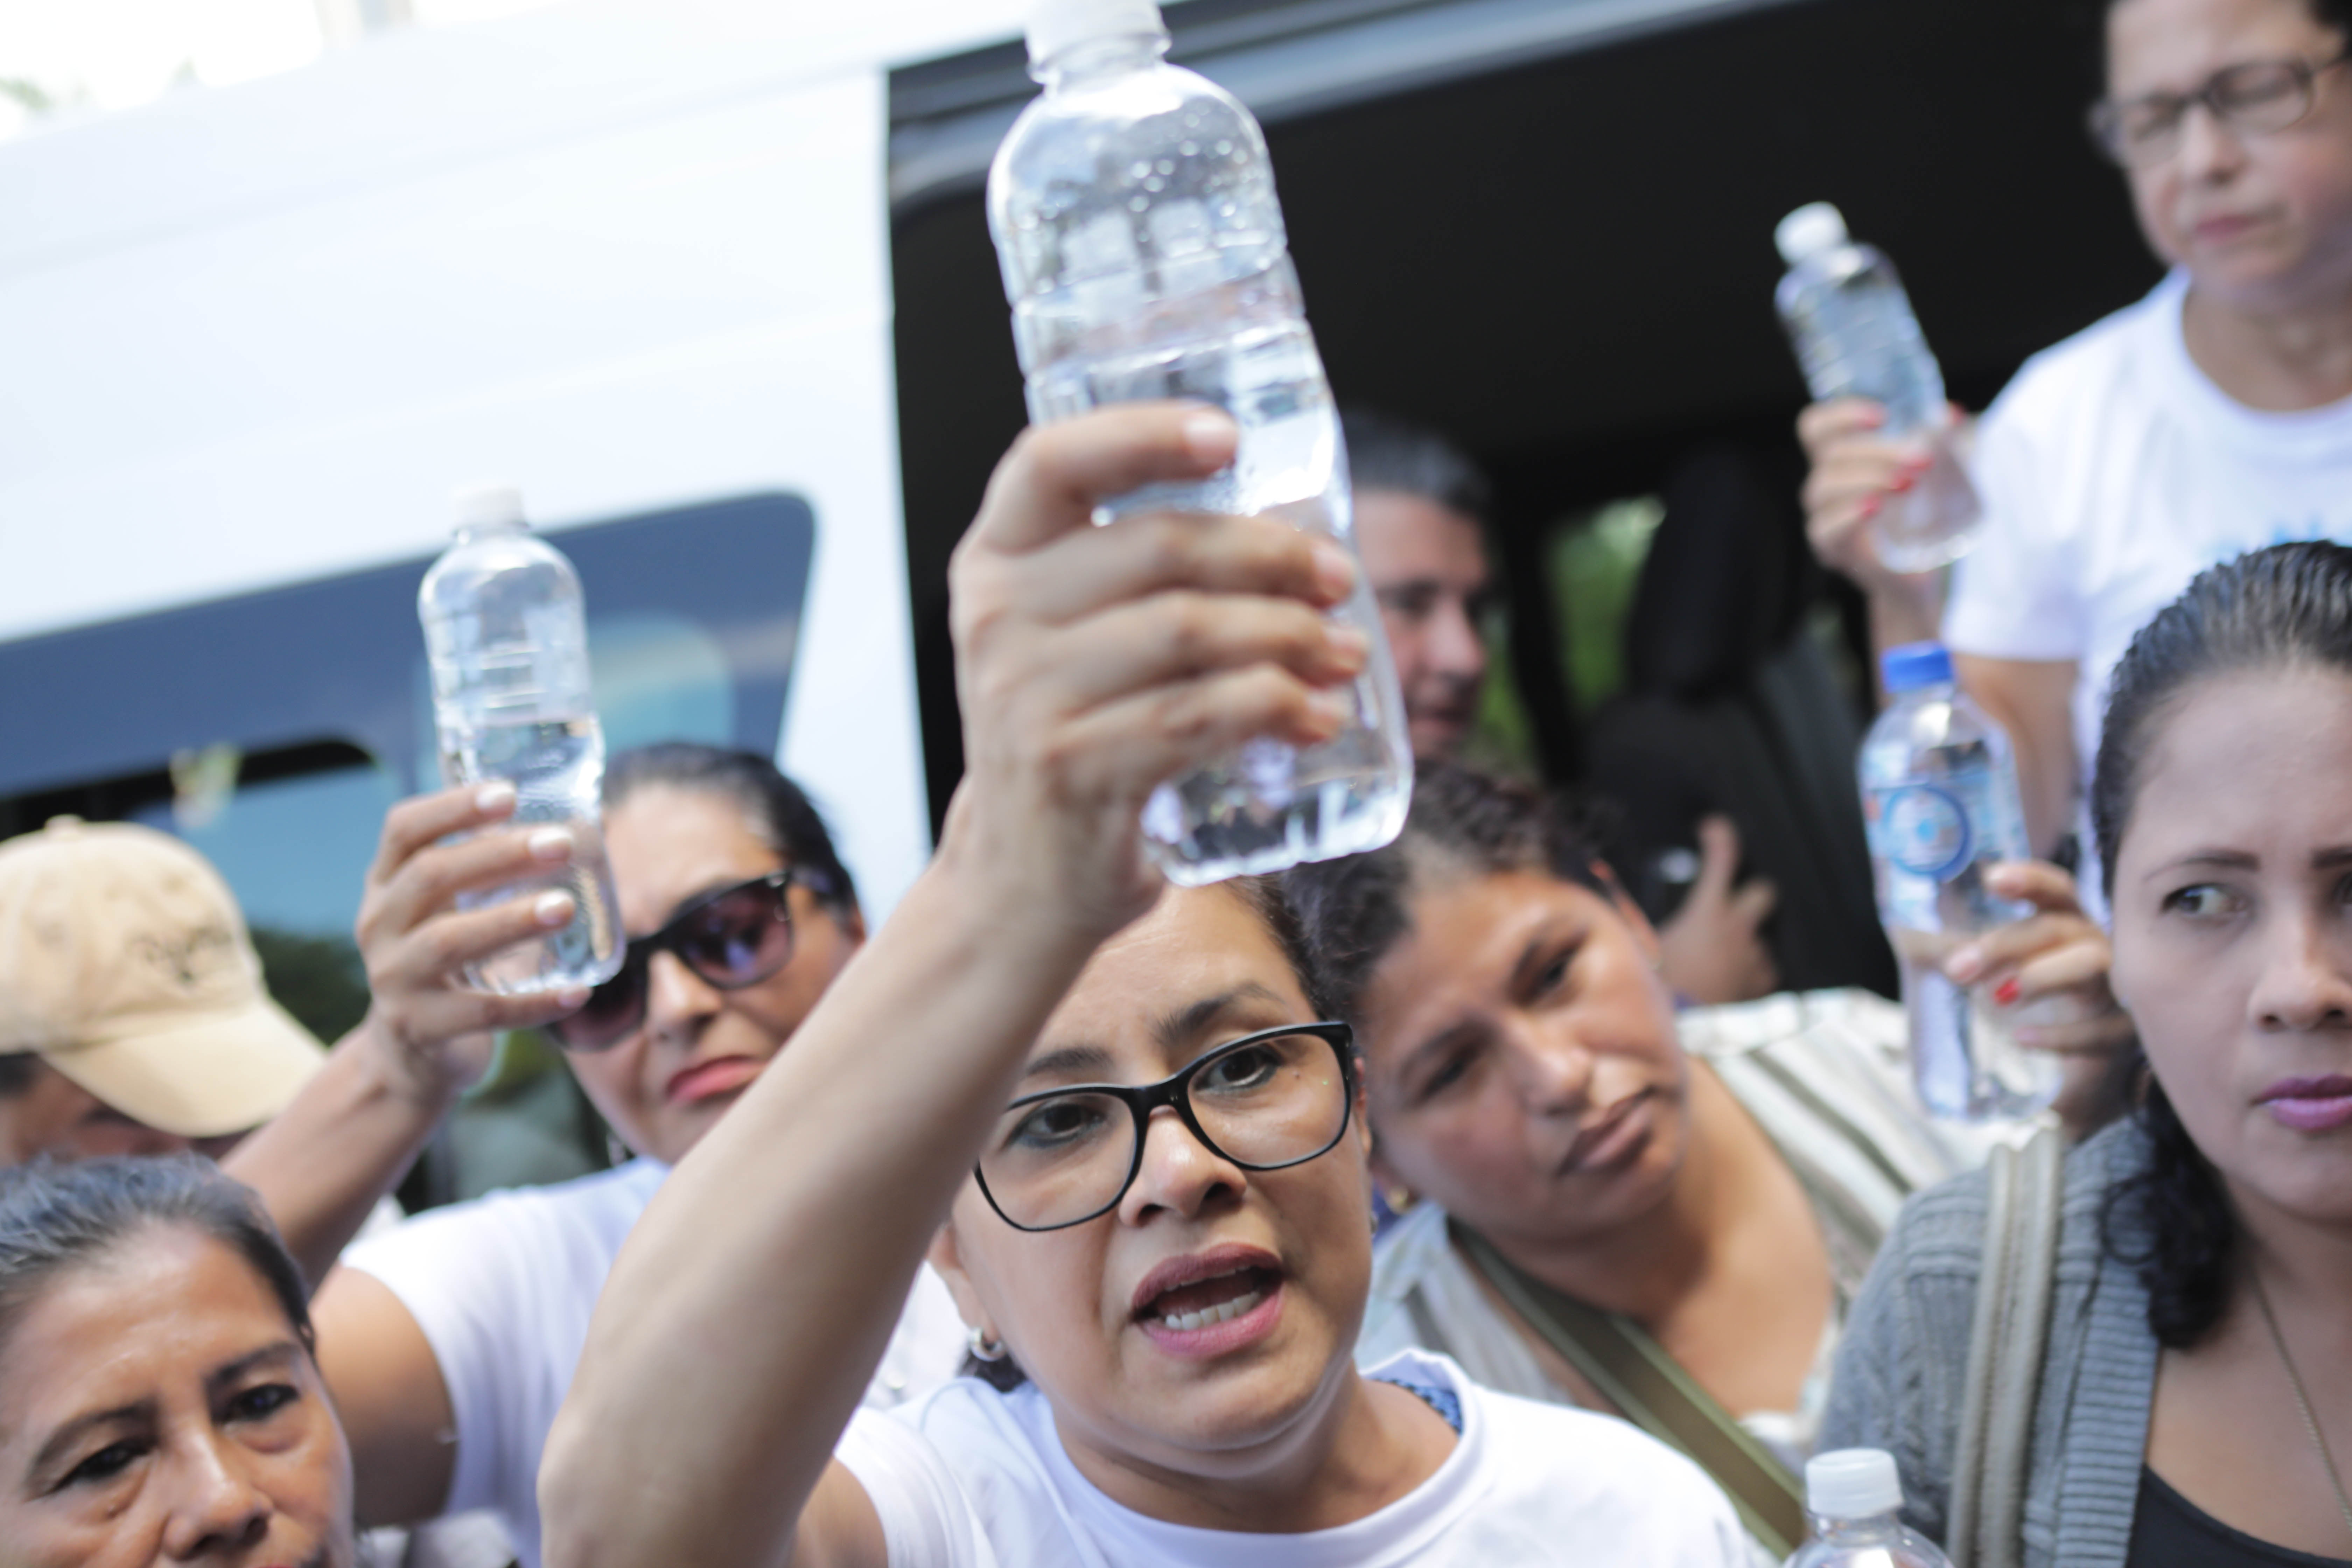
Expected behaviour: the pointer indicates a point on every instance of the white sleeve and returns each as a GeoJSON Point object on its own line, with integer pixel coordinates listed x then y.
{"type": "Point", "coordinates": [471, 1278]}
{"type": "Point", "coordinates": [2015, 595]}
{"type": "Point", "coordinates": [926, 1520]}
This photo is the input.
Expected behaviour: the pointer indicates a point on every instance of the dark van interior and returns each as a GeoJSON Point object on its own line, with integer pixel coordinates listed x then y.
{"type": "Point", "coordinates": [1544, 226]}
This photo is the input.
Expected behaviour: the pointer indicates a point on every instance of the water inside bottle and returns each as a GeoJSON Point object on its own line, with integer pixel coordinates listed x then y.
{"type": "Point", "coordinates": [1938, 819]}
{"type": "Point", "coordinates": [1856, 336]}
{"type": "Point", "coordinates": [557, 769]}
{"type": "Point", "coordinates": [1243, 346]}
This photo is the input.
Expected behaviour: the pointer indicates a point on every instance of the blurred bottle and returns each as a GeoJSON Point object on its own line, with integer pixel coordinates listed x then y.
{"type": "Point", "coordinates": [1855, 1496]}
{"type": "Point", "coordinates": [1144, 257]}
{"type": "Point", "coordinates": [506, 631]}
{"type": "Point", "coordinates": [1940, 802]}
{"type": "Point", "coordinates": [1856, 337]}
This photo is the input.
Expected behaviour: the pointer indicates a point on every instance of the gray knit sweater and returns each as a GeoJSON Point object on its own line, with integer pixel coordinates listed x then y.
{"type": "Point", "coordinates": [1899, 1369]}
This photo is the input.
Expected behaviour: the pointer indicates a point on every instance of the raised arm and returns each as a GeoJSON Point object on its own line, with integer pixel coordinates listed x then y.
{"type": "Point", "coordinates": [355, 1127]}
{"type": "Point", "coordinates": [752, 1302]}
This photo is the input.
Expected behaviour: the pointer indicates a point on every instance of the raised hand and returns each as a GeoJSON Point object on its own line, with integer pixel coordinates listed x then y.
{"type": "Point", "coordinates": [1712, 950]}
{"type": "Point", "coordinates": [1856, 473]}
{"type": "Point", "coordinates": [438, 1030]}
{"type": "Point", "coordinates": [2049, 972]}
{"type": "Point", "coordinates": [1093, 664]}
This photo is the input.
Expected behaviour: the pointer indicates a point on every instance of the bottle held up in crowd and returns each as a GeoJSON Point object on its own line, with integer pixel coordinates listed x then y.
{"type": "Point", "coordinates": [1144, 257]}
{"type": "Point", "coordinates": [1940, 802]}
{"type": "Point", "coordinates": [1856, 337]}
{"type": "Point", "coordinates": [507, 636]}
{"type": "Point", "coordinates": [1856, 1496]}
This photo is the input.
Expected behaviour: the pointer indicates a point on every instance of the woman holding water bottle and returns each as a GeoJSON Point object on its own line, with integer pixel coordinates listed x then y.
{"type": "Point", "coordinates": [447, 1342]}
{"type": "Point", "coordinates": [1592, 1185]}
{"type": "Point", "coordinates": [2211, 417]}
{"type": "Point", "coordinates": [2194, 1400]}
{"type": "Point", "coordinates": [1114, 1114]}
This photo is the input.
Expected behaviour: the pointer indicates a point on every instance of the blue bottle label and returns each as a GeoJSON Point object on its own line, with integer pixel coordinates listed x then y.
{"type": "Point", "coordinates": [1926, 833]}
{"type": "Point", "coordinates": [1924, 830]}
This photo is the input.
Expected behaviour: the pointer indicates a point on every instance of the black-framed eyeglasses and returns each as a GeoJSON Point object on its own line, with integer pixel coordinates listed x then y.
{"type": "Point", "coordinates": [1277, 1097]}
{"type": "Point", "coordinates": [735, 936]}
{"type": "Point", "coordinates": [2257, 97]}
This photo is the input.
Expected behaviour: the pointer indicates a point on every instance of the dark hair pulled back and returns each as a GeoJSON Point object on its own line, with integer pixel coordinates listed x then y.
{"type": "Point", "coordinates": [1386, 453]}
{"type": "Point", "coordinates": [1462, 823]}
{"type": "Point", "coordinates": [2285, 608]}
{"type": "Point", "coordinates": [58, 1218]}
{"type": "Point", "coordinates": [779, 811]}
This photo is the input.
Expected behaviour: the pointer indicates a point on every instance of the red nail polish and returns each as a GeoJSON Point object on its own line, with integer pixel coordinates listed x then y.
{"type": "Point", "coordinates": [2007, 991]}
{"type": "Point", "coordinates": [1869, 508]}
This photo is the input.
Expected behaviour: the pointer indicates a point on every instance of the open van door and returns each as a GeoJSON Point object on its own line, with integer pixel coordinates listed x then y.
{"type": "Point", "coordinates": [1545, 227]}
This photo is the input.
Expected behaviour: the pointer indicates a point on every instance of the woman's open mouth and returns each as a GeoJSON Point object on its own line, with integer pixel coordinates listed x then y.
{"type": "Point", "coordinates": [1212, 1302]}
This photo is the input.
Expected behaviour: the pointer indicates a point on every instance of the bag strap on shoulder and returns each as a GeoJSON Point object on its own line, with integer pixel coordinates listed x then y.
{"type": "Point", "coordinates": [1630, 1370]}
{"type": "Point", "coordinates": [2006, 1344]}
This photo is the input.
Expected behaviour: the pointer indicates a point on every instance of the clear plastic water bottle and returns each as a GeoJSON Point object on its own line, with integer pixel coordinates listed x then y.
{"type": "Point", "coordinates": [1855, 1496]}
{"type": "Point", "coordinates": [1940, 800]}
{"type": "Point", "coordinates": [506, 632]}
{"type": "Point", "coordinates": [1856, 337]}
{"type": "Point", "coordinates": [1144, 257]}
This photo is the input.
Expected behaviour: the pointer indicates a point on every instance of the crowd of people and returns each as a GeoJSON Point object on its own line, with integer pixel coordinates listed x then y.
{"type": "Point", "coordinates": [1425, 1206]}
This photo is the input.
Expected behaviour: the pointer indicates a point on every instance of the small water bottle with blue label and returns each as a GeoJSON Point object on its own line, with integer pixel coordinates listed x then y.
{"type": "Point", "coordinates": [1940, 799]}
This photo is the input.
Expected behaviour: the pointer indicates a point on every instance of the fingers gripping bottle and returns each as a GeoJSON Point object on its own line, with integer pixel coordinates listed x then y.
{"type": "Point", "coordinates": [507, 636]}
{"type": "Point", "coordinates": [1940, 805]}
{"type": "Point", "coordinates": [1855, 1498]}
{"type": "Point", "coordinates": [1856, 337]}
{"type": "Point", "coordinates": [1144, 257]}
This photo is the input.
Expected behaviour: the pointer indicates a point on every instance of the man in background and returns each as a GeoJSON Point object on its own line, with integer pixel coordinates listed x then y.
{"type": "Point", "coordinates": [1422, 508]}
{"type": "Point", "coordinates": [133, 1017]}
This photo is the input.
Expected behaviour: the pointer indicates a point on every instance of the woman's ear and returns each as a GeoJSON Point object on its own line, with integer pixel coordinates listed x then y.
{"type": "Point", "coordinates": [947, 1259]}
{"type": "Point", "coordinates": [1646, 935]}
{"type": "Point", "coordinates": [1394, 1190]}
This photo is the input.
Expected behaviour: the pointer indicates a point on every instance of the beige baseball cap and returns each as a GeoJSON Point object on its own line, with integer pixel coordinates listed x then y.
{"type": "Point", "coordinates": [125, 963]}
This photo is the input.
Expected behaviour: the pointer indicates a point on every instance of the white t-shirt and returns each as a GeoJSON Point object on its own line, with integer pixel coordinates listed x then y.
{"type": "Point", "coordinates": [502, 1288]}
{"type": "Point", "coordinates": [969, 1478]}
{"type": "Point", "coordinates": [2113, 470]}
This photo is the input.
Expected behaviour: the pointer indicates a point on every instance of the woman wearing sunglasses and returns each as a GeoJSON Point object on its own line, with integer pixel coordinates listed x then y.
{"type": "Point", "coordinates": [448, 1341]}
{"type": "Point", "coordinates": [2213, 417]}
{"type": "Point", "coordinates": [1117, 1120]}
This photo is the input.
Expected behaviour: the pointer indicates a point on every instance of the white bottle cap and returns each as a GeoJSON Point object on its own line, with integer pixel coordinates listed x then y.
{"type": "Point", "coordinates": [1852, 1483]}
{"type": "Point", "coordinates": [1810, 230]}
{"type": "Point", "coordinates": [488, 506]}
{"type": "Point", "coordinates": [1055, 24]}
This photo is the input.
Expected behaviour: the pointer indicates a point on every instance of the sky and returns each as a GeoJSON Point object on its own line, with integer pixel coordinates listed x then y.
{"type": "Point", "coordinates": [93, 56]}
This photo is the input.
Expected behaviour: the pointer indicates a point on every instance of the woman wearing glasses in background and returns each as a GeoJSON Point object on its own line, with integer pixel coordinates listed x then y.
{"type": "Point", "coordinates": [2213, 417]}
{"type": "Point", "coordinates": [1115, 1118]}
{"type": "Point", "coordinates": [448, 1341]}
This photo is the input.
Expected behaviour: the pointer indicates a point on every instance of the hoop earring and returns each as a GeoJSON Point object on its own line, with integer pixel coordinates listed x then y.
{"type": "Point", "coordinates": [982, 1348]}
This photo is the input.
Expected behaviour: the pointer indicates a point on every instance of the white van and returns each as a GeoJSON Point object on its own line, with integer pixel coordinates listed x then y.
{"type": "Point", "coordinates": [708, 279]}
{"type": "Point", "coordinates": [630, 257]}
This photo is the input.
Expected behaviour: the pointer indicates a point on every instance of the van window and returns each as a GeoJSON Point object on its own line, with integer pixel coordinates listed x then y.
{"type": "Point", "coordinates": [273, 730]}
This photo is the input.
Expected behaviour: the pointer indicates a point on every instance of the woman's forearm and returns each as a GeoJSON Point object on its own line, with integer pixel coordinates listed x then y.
{"type": "Point", "coordinates": [746, 1313]}
{"type": "Point", "coordinates": [330, 1157]}
{"type": "Point", "coordinates": [1909, 610]}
